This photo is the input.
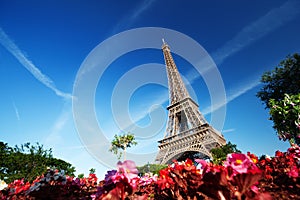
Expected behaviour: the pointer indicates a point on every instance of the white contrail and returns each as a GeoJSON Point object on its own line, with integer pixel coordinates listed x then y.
{"type": "Point", "coordinates": [130, 19]}
{"type": "Point", "coordinates": [142, 8]}
{"type": "Point", "coordinates": [16, 111]}
{"type": "Point", "coordinates": [235, 94]}
{"type": "Point", "coordinates": [55, 137]}
{"type": "Point", "coordinates": [228, 130]}
{"type": "Point", "coordinates": [242, 90]}
{"type": "Point", "coordinates": [257, 29]}
{"type": "Point", "coordinates": [17, 53]}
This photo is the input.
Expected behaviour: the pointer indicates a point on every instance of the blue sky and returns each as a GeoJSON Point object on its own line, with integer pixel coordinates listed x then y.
{"type": "Point", "coordinates": [44, 43]}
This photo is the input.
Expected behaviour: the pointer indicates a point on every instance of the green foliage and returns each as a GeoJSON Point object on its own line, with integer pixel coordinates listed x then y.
{"type": "Point", "coordinates": [280, 93]}
{"type": "Point", "coordinates": [152, 168]}
{"type": "Point", "coordinates": [80, 175]}
{"type": "Point", "coordinates": [285, 115]}
{"type": "Point", "coordinates": [219, 154]}
{"type": "Point", "coordinates": [28, 161]}
{"type": "Point", "coordinates": [59, 164]}
{"type": "Point", "coordinates": [122, 142]}
{"type": "Point", "coordinates": [92, 171]}
{"type": "Point", "coordinates": [284, 79]}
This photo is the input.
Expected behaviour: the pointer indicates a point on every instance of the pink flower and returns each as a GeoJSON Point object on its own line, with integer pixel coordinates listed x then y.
{"type": "Point", "coordinates": [239, 162]}
{"type": "Point", "coordinates": [295, 151]}
{"type": "Point", "coordinates": [202, 165]}
{"type": "Point", "coordinates": [293, 172]}
{"type": "Point", "coordinates": [147, 179]}
{"type": "Point", "coordinates": [255, 189]}
{"type": "Point", "coordinates": [134, 182]}
{"type": "Point", "coordinates": [128, 169]}
{"type": "Point", "coordinates": [93, 196]}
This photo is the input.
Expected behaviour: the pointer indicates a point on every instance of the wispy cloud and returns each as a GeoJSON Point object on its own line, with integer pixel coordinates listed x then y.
{"type": "Point", "coordinates": [132, 17]}
{"type": "Point", "coordinates": [142, 8]}
{"type": "Point", "coordinates": [233, 94]}
{"type": "Point", "coordinates": [242, 90]}
{"type": "Point", "coordinates": [158, 100]}
{"type": "Point", "coordinates": [16, 111]}
{"type": "Point", "coordinates": [19, 55]}
{"type": "Point", "coordinates": [228, 130]}
{"type": "Point", "coordinates": [55, 137]}
{"type": "Point", "coordinates": [140, 112]}
{"type": "Point", "coordinates": [274, 19]}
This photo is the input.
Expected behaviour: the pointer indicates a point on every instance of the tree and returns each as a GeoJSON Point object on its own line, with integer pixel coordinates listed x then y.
{"type": "Point", "coordinates": [284, 79]}
{"type": "Point", "coordinates": [122, 142]}
{"type": "Point", "coordinates": [285, 115]}
{"type": "Point", "coordinates": [280, 94]}
{"type": "Point", "coordinates": [219, 154]}
{"type": "Point", "coordinates": [152, 168]}
{"type": "Point", "coordinates": [28, 161]}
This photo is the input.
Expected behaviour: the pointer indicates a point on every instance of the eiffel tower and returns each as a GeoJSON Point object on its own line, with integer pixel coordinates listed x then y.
{"type": "Point", "coordinates": [187, 129]}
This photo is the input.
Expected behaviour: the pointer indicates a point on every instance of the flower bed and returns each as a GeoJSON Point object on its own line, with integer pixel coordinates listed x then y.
{"type": "Point", "coordinates": [240, 177]}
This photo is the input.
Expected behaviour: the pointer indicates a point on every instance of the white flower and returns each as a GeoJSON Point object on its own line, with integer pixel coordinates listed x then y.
{"type": "Point", "coordinates": [2, 185]}
{"type": "Point", "coordinates": [269, 157]}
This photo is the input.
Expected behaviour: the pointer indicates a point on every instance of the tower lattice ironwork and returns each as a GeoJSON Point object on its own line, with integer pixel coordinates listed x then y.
{"type": "Point", "coordinates": [187, 130]}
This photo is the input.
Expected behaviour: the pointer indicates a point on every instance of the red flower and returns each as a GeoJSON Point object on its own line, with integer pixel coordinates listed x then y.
{"type": "Point", "coordinates": [92, 179]}
{"type": "Point", "coordinates": [279, 154]}
{"type": "Point", "coordinates": [189, 166]}
{"type": "Point", "coordinates": [177, 165]}
{"type": "Point", "coordinates": [253, 157]}
{"type": "Point", "coordinates": [19, 186]}
{"type": "Point", "coordinates": [164, 181]}
{"type": "Point", "coordinates": [189, 163]}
